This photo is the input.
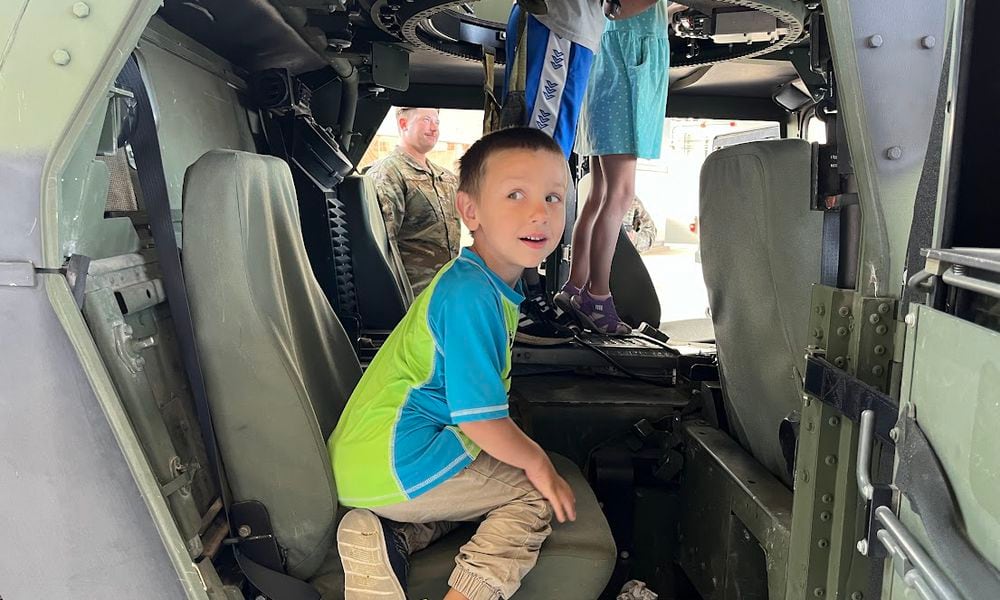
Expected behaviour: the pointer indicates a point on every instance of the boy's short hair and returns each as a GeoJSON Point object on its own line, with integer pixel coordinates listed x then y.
{"type": "Point", "coordinates": [473, 162]}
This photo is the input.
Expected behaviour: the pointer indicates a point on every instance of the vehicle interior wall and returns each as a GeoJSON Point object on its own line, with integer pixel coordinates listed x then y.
{"type": "Point", "coordinates": [201, 106]}
{"type": "Point", "coordinates": [198, 107]}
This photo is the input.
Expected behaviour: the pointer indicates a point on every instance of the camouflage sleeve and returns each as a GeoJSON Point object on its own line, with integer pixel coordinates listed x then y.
{"type": "Point", "coordinates": [390, 188]}
{"type": "Point", "coordinates": [646, 233]}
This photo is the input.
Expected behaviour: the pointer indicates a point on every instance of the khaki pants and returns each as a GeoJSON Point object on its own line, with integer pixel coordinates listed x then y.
{"type": "Point", "coordinates": [504, 547]}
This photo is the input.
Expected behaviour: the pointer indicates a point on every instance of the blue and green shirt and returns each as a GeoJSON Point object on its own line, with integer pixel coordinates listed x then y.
{"type": "Point", "coordinates": [447, 362]}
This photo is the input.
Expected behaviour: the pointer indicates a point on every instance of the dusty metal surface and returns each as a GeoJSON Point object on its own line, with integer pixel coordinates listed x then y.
{"type": "Point", "coordinates": [736, 521]}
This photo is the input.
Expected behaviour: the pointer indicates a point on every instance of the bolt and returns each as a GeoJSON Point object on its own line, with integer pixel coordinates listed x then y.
{"type": "Point", "coordinates": [863, 547]}
{"type": "Point", "coordinates": [61, 58]}
{"type": "Point", "coordinates": [879, 350]}
{"type": "Point", "coordinates": [830, 460]}
{"type": "Point", "coordinates": [820, 310]}
{"type": "Point", "coordinates": [176, 465]}
{"type": "Point", "coordinates": [874, 41]}
{"type": "Point", "coordinates": [881, 329]}
{"type": "Point", "coordinates": [840, 361]}
{"type": "Point", "coordinates": [883, 308]}
{"type": "Point", "coordinates": [244, 531]}
{"type": "Point", "coordinates": [877, 370]}
{"type": "Point", "coordinates": [834, 421]}
{"type": "Point", "coordinates": [818, 333]}
{"type": "Point", "coordinates": [825, 516]}
{"type": "Point", "coordinates": [894, 153]}
{"type": "Point", "coordinates": [874, 319]}
{"type": "Point", "coordinates": [894, 434]}
{"type": "Point", "coordinates": [823, 543]}
{"type": "Point", "coordinates": [928, 42]}
{"type": "Point", "coordinates": [805, 476]}
{"type": "Point", "coordinates": [910, 320]}
{"type": "Point", "coordinates": [624, 554]}
{"type": "Point", "coordinates": [842, 331]}
{"type": "Point", "coordinates": [819, 592]}
{"type": "Point", "coordinates": [746, 535]}
{"type": "Point", "coordinates": [857, 596]}
{"type": "Point", "coordinates": [81, 10]}
{"type": "Point", "coordinates": [844, 311]}
{"type": "Point", "coordinates": [827, 498]}
{"type": "Point", "coordinates": [809, 426]}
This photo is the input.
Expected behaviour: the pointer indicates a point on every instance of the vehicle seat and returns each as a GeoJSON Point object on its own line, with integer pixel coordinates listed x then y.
{"type": "Point", "coordinates": [760, 248]}
{"type": "Point", "coordinates": [279, 368]}
{"type": "Point", "coordinates": [383, 289]}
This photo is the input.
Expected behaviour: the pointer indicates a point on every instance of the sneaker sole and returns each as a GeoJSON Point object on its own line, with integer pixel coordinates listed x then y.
{"type": "Point", "coordinates": [367, 572]}
{"type": "Point", "coordinates": [532, 340]}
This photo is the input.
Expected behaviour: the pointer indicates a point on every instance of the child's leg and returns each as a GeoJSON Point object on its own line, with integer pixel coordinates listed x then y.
{"type": "Point", "coordinates": [506, 544]}
{"type": "Point", "coordinates": [420, 535]}
{"type": "Point", "coordinates": [579, 273]}
{"type": "Point", "coordinates": [619, 177]}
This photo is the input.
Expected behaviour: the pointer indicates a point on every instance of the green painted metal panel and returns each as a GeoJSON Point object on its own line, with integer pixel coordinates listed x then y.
{"type": "Point", "coordinates": [953, 383]}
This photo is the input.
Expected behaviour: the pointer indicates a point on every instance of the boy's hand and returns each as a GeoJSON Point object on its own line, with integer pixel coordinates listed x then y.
{"type": "Point", "coordinates": [555, 489]}
{"type": "Point", "coordinates": [504, 441]}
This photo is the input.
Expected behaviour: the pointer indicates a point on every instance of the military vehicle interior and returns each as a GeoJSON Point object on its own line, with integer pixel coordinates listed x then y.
{"type": "Point", "coordinates": [215, 222]}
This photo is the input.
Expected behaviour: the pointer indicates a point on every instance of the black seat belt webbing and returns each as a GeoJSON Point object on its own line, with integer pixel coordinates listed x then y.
{"type": "Point", "coordinates": [152, 181]}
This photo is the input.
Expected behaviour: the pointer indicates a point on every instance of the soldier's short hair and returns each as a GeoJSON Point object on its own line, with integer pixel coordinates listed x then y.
{"type": "Point", "coordinates": [402, 110]}
{"type": "Point", "coordinates": [473, 162]}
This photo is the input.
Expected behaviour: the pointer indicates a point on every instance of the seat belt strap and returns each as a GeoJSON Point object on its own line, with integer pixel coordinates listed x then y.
{"type": "Point", "coordinates": [491, 106]}
{"type": "Point", "coordinates": [152, 182]}
{"type": "Point", "coordinates": [830, 256]}
{"type": "Point", "coordinates": [149, 167]}
{"type": "Point", "coordinates": [520, 74]}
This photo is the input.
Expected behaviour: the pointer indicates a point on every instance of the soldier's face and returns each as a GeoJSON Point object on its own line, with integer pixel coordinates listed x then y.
{"type": "Point", "coordinates": [519, 216]}
{"type": "Point", "coordinates": [418, 129]}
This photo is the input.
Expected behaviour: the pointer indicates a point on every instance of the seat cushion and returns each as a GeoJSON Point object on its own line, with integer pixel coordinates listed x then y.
{"type": "Point", "coordinates": [575, 563]}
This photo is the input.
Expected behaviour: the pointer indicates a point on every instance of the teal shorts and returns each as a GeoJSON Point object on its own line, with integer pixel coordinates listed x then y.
{"type": "Point", "coordinates": [626, 99]}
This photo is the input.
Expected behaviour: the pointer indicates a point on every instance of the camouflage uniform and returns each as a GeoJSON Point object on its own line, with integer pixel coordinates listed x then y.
{"type": "Point", "coordinates": [418, 205]}
{"type": "Point", "coordinates": [637, 220]}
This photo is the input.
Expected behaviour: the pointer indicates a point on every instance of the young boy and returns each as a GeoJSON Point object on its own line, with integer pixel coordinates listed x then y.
{"type": "Point", "coordinates": [426, 437]}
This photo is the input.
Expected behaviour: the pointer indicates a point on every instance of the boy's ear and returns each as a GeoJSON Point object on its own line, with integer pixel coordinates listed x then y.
{"type": "Point", "coordinates": [468, 210]}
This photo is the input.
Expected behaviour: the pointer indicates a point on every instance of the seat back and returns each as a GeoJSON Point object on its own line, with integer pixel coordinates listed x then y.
{"type": "Point", "coordinates": [760, 248]}
{"type": "Point", "coordinates": [382, 288]}
{"type": "Point", "coordinates": [278, 365]}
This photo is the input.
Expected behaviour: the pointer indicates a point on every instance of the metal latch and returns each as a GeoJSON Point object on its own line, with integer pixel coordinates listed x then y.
{"type": "Point", "coordinates": [128, 348]}
{"type": "Point", "coordinates": [184, 478]}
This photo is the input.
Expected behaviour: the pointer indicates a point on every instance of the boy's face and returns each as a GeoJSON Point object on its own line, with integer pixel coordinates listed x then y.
{"type": "Point", "coordinates": [520, 213]}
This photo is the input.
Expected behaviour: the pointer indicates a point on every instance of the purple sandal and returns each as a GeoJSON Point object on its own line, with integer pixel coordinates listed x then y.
{"type": "Point", "coordinates": [599, 314]}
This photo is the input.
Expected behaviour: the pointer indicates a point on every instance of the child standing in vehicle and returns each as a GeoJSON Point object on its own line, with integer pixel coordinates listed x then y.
{"type": "Point", "coordinates": [621, 122]}
{"type": "Point", "coordinates": [426, 437]}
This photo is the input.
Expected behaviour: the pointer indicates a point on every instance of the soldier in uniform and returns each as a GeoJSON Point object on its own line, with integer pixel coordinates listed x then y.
{"type": "Point", "coordinates": [639, 226]}
{"type": "Point", "coordinates": [418, 198]}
